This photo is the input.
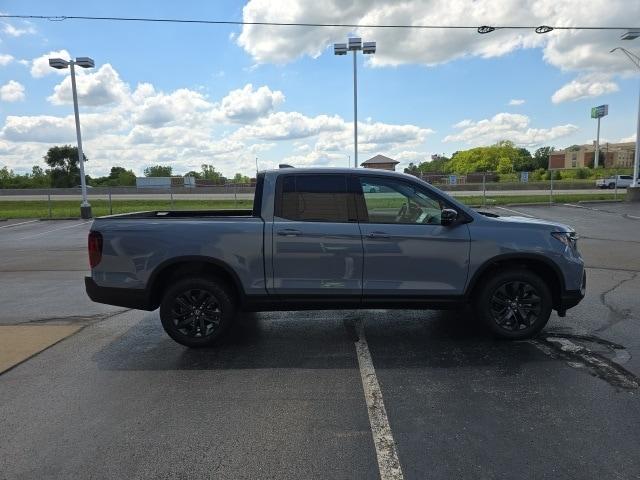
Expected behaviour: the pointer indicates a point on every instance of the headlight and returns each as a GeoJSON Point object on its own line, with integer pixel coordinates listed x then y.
{"type": "Point", "coordinates": [570, 239]}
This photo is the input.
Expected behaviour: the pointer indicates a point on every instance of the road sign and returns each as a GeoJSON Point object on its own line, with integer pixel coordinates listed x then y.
{"type": "Point", "coordinates": [600, 111]}
{"type": "Point", "coordinates": [453, 180]}
{"type": "Point", "coordinates": [524, 177]}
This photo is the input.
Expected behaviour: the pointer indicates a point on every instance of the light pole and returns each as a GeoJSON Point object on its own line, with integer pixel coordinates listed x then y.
{"type": "Point", "coordinates": [636, 61]}
{"type": "Point", "coordinates": [368, 48]}
{"type": "Point", "coordinates": [84, 62]}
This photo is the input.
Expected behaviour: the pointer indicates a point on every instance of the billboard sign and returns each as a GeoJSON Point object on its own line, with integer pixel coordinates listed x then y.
{"type": "Point", "coordinates": [600, 111]}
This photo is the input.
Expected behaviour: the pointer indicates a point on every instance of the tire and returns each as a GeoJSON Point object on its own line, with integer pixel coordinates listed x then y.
{"type": "Point", "coordinates": [197, 311]}
{"type": "Point", "coordinates": [612, 186]}
{"type": "Point", "coordinates": [514, 304]}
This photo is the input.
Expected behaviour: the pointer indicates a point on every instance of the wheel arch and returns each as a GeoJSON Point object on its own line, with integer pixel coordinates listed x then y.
{"type": "Point", "coordinates": [539, 264]}
{"type": "Point", "coordinates": [191, 265]}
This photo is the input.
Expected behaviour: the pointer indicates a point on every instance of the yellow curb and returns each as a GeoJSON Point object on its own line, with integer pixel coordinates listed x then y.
{"type": "Point", "coordinates": [21, 342]}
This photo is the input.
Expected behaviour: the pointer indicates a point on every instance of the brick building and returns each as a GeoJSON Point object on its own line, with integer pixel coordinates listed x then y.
{"type": "Point", "coordinates": [611, 154]}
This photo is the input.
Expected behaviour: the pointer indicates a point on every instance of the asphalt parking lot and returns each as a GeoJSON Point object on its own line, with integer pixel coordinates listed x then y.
{"type": "Point", "coordinates": [283, 398]}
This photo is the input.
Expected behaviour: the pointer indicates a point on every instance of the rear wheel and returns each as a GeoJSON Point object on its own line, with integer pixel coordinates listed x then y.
{"type": "Point", "coordinates": [514, 304]}
{"type": "Point", "coordinates": [196, 312]}
{"type": "Point", "coordinates": [612, 186]}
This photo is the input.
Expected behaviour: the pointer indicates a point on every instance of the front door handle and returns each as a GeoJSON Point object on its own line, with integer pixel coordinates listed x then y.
{"type": "Point", "coordinates": [289, 232]}
{"type": "Point", "coordinates": [378, 235]}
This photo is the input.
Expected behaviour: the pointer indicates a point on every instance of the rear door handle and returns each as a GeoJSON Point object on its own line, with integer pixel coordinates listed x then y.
{"type": "Point", "coordinates": [378, 235]}
{"type": "Point", "coordinates": [289, 232]}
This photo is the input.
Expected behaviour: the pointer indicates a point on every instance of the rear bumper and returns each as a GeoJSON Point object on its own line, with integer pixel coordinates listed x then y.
{"type": "Point", "coordinates": [570, 298]}
{"type": "Point", "coordinates": [121, 297]}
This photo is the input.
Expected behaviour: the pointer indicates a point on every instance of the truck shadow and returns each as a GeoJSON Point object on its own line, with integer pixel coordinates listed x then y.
{"type": "Point", "coordinates": [323, 340]}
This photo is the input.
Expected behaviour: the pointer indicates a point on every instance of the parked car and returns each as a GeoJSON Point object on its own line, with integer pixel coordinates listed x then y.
{"type": "Point", "coordinates": [317, 239]}
{"type": "Point", "coordinates": [620, 181]}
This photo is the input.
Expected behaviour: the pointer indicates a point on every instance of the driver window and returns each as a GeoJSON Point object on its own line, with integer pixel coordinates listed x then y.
{"type": "Point", "coordinates": [391, 201]}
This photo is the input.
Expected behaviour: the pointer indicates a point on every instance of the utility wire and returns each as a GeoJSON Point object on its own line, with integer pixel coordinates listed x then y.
{"type": "Point", "coordinates": [480, 29]}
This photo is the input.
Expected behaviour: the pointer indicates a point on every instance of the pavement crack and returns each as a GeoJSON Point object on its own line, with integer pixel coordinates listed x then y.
{"type": "Point", "coordinates": [617, 315]}
{"type": "Point", "coordinates": [72, 318]}
{"type": "Point", "coordinates": [579, 356]}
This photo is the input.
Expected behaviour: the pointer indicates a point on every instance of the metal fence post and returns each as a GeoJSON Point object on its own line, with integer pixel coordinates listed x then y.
{"type": "Point", "coordinates": [49, 202]}
{"type": "Point", "coordinates": [171, 196]}
{"type": "Point", "coordinates": [235, 195]}
{"type": "Point", "coordinates": [551, 172]}
{"type": "Point", "coordinates": [110, 205]}
{"type": "Point", "coordinates": [615, 188]}
{"type": "Point", "coordinates": [484, 189]}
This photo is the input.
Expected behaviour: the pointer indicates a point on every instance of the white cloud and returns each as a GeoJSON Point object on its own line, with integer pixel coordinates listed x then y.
{"type": "Point", "coordinates": [574, 50]}
{"type": "Point", "coordinates": [586, 86]}
{"type": "Point", "coordinates": [507, 126]}
{"type": "Point", "coordinates": [97, 88]}
{"type": "Point", "coordinates": [40, 66]}
{"type": "Point", "coordinates": [5, 59]}
{"type": "Point", "coordinates": [630, 138]}
{"type": "Point", "coordinates": [246, 104]}
{"type": "Point", "coordinates": [12, 91]}
{"type": "Point", "coordinates": [516, 101]}
{"type": "Point", "coordinates": [18, 32]}
{"type": "Point", "coordinates": [142, 126]}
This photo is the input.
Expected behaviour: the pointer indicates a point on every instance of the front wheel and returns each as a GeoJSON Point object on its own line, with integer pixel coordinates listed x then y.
{"type": "Point", "coordinates": [514, 304]}
{"type": "Point", "coordinates": [197, 311]}
{"type": "Point", "coordinates": [612, 186]}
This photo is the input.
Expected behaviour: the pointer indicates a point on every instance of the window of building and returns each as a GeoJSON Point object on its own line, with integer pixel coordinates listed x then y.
{"type": "Point", "coordinates": [315, 198]}
{"type": "Point", "coordinates": [391, 201]}
{"type": "Point", "coordinates": [574, 160]}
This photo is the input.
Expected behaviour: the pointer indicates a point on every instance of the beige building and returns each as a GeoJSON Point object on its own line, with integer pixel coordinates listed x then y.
{"type": "Point", "coordinates": [613, 154]}
{"type": "Point", "coordinates": [381, 162]}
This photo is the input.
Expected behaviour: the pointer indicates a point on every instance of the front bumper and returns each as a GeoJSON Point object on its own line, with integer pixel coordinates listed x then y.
{"type": "Point", "coordinates": [121, 297]}
{"type": "Point", "coordinates": [570, 298]}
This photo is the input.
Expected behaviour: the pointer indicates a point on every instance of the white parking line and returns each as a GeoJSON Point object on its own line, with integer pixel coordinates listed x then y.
{"type": "Point", "coordinates": [515, 211]}
{"type": "Point", "coordinates": [388, 463]}
{"type": "Point", "coordinates": [21, 223]}
{"type": "Point", "coordinates": [55, 230]}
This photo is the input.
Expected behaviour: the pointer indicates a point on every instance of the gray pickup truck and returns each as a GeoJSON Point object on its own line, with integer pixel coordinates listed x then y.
{"type": "Point", "coordinates": [335, 239]}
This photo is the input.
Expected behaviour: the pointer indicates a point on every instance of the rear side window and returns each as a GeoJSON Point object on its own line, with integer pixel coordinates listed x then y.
{"type": "Point", "coordinates": [315, 198]}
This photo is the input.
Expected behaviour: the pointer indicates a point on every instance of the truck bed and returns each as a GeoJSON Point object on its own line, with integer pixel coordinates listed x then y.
{"type": "Point", "coordinates": [182, 214]}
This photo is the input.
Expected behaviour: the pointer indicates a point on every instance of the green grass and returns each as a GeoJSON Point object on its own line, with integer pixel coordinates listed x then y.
{"type": "Point", "coordinates": [71, 208]}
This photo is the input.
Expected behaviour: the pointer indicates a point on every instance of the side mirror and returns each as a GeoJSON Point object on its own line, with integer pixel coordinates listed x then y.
{"type": "Point", "coordinates": [448, 216]}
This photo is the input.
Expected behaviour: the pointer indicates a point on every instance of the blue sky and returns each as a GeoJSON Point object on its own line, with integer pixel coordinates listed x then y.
{"type": "Point", "coordinates": [224, 95]}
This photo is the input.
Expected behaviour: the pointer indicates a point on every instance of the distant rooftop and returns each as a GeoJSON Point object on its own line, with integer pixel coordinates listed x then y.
{"type": "Point", "coordinates": [379, 159]}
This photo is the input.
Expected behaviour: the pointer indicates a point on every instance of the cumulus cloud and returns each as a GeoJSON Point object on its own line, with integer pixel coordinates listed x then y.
{"type": "Point", "coordinates": [5, 59]}
{"type": "Point", "coordinates": [142, 126]}
{"type": "Point", "coordinates": [514, 102]}
{"type": "Point", "coordinates": [577, 50]}
{"type": "Point", "coordinates": [12, 91]}
{"type": "Point", "coordinates": [507, 126]}
{"type": "Point", "coordinates": [12, 31]}
{"type": "Point", "coordinates": [586, 86]}
{"type": "Point", "coordinates": [97, 88]}
{"type": "Point", "coordinates": [246, 104]}
{"type": "Point", "coordinates": [40, 66]}
{"type": "Point", "coordinates": [630, 138]}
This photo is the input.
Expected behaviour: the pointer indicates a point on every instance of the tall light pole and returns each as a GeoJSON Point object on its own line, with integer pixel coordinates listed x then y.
{"type": "Point", "coordinates": [636, 61]}
{"type": "Point", "coordinates": [368, 48]}
{"type": "Point", "coordinates": [84, 62]}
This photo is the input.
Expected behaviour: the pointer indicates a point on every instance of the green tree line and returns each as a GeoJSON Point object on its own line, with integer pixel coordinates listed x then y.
{"type": "Point", "coordinates": [64, 171]}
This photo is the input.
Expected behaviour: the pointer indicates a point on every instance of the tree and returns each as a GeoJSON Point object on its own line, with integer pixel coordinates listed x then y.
{"type": "Point", "coordinates": [209, 173]}
{"type": "Point", "coordinates": [39, 178]}
{"type": "Point", "coordinates": [158, 171]}
{"type": "Point", "coordinates": [239, 178]}
{"type": "Point", "coordinates": [63, 161]}
{"type": "Point", "coordinates": [504, 165]}
{"type": "Point", "coordinates": [541, 157]}
{"type": "Point", "coordinates": [193, 174]}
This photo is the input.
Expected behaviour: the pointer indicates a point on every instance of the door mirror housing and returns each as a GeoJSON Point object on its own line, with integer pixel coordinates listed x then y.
{"type": "Point", "coordinates": [448, 216]}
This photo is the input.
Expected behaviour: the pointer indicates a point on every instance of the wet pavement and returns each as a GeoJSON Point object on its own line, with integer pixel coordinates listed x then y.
{"type": "Point", "coordinates": [283, 397]}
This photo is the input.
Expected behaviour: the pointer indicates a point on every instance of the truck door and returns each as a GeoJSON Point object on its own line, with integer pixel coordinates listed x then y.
{"type": "Point", "coordinates": [317, 246]}
{"type": "Point", "coordinates": [407, 252]}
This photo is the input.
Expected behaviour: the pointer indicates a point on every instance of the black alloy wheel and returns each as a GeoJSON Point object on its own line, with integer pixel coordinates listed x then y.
{"type": "Point", "coordinates": [197, 311]}
{"type": "Point", "coordinates": [516, 305]}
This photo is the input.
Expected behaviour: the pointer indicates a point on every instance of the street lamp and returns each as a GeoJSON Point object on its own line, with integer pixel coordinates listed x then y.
{"type": "Point", "coordinates": [368, 48]}
{"type": "Point", "coordinates": [636, 61]}
{"type": "Point", "coordinates": [84, 62]}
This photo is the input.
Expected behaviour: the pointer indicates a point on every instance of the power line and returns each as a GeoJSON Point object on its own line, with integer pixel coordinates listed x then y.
{"type": "Point", "coordinates": [480, 29]}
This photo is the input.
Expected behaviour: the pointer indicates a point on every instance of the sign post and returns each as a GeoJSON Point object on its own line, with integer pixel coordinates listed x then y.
{"type": "Point", "coordinates": [598, 112]}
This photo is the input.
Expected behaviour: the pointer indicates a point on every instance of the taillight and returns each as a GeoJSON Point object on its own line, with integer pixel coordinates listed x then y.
{"type": "Point", "coordinates": [95, 248]}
